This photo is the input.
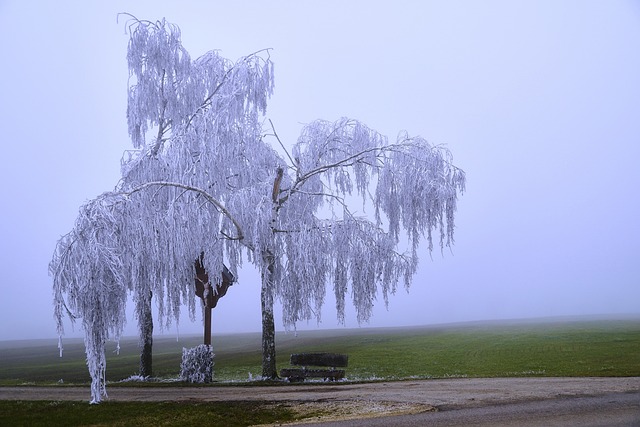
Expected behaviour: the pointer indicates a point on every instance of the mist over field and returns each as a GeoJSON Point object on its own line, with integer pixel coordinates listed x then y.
{"type": "Point", "coordinates": [537, 102]}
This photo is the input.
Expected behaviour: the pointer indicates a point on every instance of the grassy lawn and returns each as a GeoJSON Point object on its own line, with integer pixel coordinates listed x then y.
{"type": "Point", "coordinates": [140, 414]}
{"type": "Point", "coordinates": [605, 349]}
{"type": "Point", "coordinates": [581, 348]}
{"type": "Point", "coordinates": [577, 348]}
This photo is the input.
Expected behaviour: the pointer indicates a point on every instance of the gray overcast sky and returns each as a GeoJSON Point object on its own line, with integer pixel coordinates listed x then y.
{"type": "Point", "coordinates": [538, 101]}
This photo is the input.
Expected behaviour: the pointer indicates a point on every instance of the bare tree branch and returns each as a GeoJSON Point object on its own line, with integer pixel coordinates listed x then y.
{"type": "Point", "coordinates": [281, 144]}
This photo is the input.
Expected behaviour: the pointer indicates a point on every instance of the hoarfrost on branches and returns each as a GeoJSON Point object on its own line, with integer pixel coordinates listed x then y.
{"type": "Point", "coordinates": [416, 189]}
{"type": "Point", "coordinates": [87, 267]}
{"type": "Point", "coordinates": [193, 125]}
{"type": "Point", "coordinates": [197, 364]}
{"type": "Point", "coordinates": [204, 179]}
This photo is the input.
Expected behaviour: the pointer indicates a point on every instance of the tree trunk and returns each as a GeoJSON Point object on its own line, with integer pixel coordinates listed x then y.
{"type": "Point", "coordinates": [268, 325]}
{"type": "Point", "coordinates": [207, 325]}
{"type": "Point", "coordinates": [266, 296]}
{"type": "Point", "coordinates": [146, 334]}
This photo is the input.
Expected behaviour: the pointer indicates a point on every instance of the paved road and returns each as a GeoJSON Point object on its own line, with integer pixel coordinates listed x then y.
{"type": "Point", "coordinates": [616, 409]}
{"type": "Point", "coordinates": [469, 401]}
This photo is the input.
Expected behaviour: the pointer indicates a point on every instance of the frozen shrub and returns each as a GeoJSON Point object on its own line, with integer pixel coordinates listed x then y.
{"type": "Point", "coordinates": [197, 364]}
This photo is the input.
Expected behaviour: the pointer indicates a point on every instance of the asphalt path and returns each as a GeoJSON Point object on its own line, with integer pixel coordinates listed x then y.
{"type": "Point", "coordinates": [616, 409]}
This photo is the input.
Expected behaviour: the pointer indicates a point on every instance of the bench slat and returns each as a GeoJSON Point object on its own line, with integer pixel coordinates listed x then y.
{"type": "Point", "coordinates": [333, 360]}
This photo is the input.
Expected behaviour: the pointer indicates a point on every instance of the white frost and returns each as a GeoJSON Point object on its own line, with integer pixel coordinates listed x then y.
{"type": "Point", "coordinates": [204, 179]}
{"type": "Point", "coordinates": [197, 364]}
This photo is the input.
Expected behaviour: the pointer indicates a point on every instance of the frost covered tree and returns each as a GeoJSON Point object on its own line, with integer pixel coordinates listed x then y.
{"type": "Point", "coordinates": [87, 272]}
{"type": "Point", "coordinates": [170, 104]}
{"type": "Point", "coordinates": [167, 215]}
{"type": "Point", "coordinates": [304, 234]}
{"type": "Point", "coordinates": [204, 178]}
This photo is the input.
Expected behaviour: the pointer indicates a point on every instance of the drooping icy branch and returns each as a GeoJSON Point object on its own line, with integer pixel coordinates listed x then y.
{"type": "Point", "coordinates": [203, 193]}
{"type": "Point", "coordinates": [87, 268]}
{"type": "Point", "coordinates": [416, 188]}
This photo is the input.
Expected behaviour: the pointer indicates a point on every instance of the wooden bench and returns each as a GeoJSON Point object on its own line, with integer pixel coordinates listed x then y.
{"type": "Point", "coordinates": [313, 360]}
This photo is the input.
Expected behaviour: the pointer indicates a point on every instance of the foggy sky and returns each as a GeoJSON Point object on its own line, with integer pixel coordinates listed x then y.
{"type": "Point", "coordinates": [539, 102]}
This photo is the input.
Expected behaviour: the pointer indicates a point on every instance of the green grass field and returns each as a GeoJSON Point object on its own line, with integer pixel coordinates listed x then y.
{"type": "Point", "coordinates": [141, 414]}
{"type": "Point", "coordinates": [577, 348]}
{"type": "Point", "coordinates": [518, 349]}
